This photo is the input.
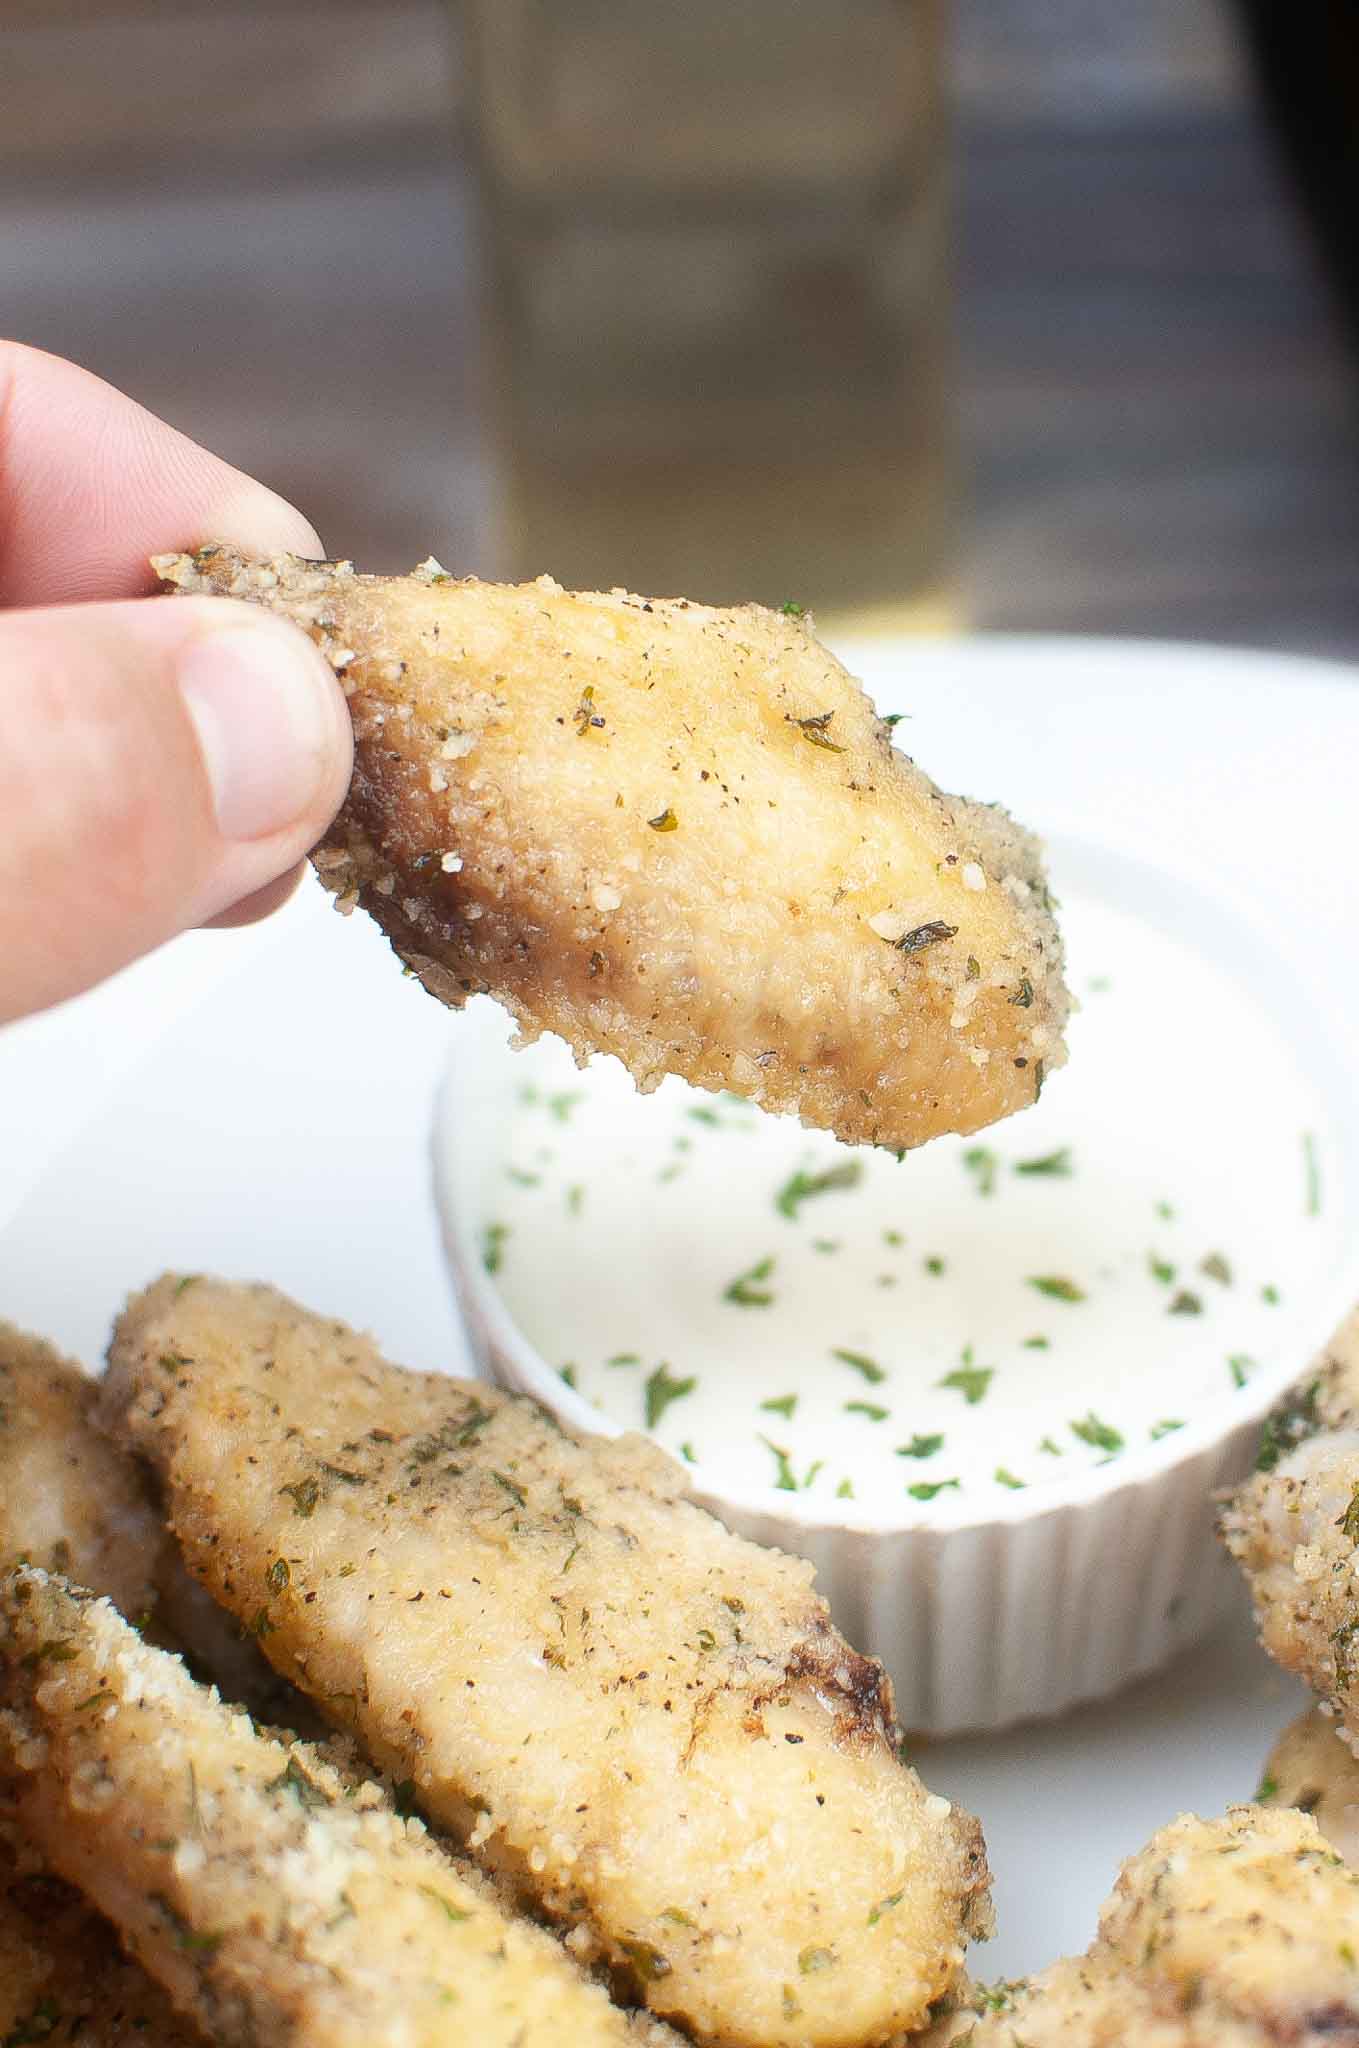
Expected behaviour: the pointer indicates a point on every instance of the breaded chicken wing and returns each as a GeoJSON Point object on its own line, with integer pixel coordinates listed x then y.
{"type": "Point", "coordinates": [71, 1501]}
{"type": "Point", "coordinates": [1294, 1530]}
{"type": "Point", "coordinates": [1232, 1933]}
{"type": "Point", "coordinates": [1312, 1768]}
{"type": "Point", "coordinates": [675, 834]}
{"type": "Point", "coordinates": [279, 1905]}
{"type": "Point", "coordinates": [645, 1721]}
{"type": "Point", "coordinates": [63, 1978]}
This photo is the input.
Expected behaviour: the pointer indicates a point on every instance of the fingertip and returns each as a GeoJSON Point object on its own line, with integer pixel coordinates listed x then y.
{"type": "Point", "coordinates": [272, 726]}
{"type": "Point", "coordinates": [259, 522]}
{"type": "Point", "coordinates": [261, 903]}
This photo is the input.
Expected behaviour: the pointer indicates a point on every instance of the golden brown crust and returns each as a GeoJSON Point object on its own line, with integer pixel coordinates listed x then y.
{"type": "Point", "coordinates": [1312, 1768]}
{"type": "Point", "coordinates": [1294, 1530]}
{"type": "Point", "coordinates": [1231, 1933]}
{"type": "Point", "coordinates": [280, 1905]}
{"type": "Point", "coordinates": [643, 1720]}
{"type": "Point", "coordinates": [677, 834]}
{"type": "Point", "coordinates": [63, 1978]}
{"type": "Point", "coordinates": [71, 1502]}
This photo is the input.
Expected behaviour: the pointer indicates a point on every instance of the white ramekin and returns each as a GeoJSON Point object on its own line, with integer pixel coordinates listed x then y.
{"type": "Point", "coordinates": [1060, 1595]}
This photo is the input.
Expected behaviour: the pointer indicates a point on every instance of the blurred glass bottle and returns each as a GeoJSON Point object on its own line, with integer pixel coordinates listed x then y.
{"type": "Point", "coordinates": [716, 242]}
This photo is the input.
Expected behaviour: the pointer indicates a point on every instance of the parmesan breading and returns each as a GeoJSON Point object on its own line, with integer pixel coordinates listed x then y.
{"type": "Point", "coordinates": [643, 1720]}
{"type": "Point", "coordinates": [677, 834]}
{"type": "Point", "coordinates": [1313, 1768]}
{"type": "Point", "coordinates": [280, 1904]}
{"type": "Point", "coordinates": [63, 1978]}
{"type": "Point", "coordinates": [71, 1501]}
{"type": "Point", "coordinates": [1234, 1933]}
{"type": "Point", "coordinates": [1293, 1527]}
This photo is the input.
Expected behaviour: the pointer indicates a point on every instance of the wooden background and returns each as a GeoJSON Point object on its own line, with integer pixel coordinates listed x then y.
{"type": "Point", "coordinates": [260, 219]}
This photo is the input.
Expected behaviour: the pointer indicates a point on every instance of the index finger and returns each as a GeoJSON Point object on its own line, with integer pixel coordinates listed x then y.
{"type": "Point", "coordinates": [91, 484]}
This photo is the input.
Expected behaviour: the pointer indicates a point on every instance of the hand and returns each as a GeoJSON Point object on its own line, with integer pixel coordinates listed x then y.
{"type": "Point", "coordinates": [161, 765]}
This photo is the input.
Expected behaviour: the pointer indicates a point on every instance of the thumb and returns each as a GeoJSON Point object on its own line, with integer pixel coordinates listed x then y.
{"type": "Point", "coordinates": [158, 762]}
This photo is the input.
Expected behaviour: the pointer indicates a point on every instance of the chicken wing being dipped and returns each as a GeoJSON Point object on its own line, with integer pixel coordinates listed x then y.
{"type": "Point", "coordinates": [1231, 1933]}
{"type": "Point", "coordinates": [280, 1905]}
{"type": "Point", "coordinates": [645, 1722]}
{"type": "Point", "coordinates": [679, 835]}
{"type": "Point", "coordinates": [1312, 1768]}
{"type": "Point", "coordinates": [71, 1501]}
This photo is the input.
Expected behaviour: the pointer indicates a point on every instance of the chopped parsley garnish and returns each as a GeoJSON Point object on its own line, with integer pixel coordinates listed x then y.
{"type": "Point", "coordinates": [1270, 1296]}
{"type": "Point", "coordinates": [894, 718]}
{"type": "Point", "coordinates": [688, 1454]}
{"type": "Point", "coordinates": [1348, 1523]}
{"type": "Point", "coordinates": [624, 1358]}
{"type": "Point", "coordinates": [278, 1577]}
{"type": "Point", "coordinates": [1160, 1429]}
{"type": "Point", "coordinates": [810, 1960]}
{"type": "Point", "coordinates": [817, 731]}
{"type": "Point", "coordinates": [1056, 1287]}
{"type": "Point", "coordinates": [575, 1199]}
{"type": "Point", "coordinates": [1101, 1436]}
{"type": "Point", "coordinates": [791, 609]}
{"type": "Point", "coordinates": [1290, 1425]}
{"type": "Point", "coordinates": [493, 1246]}
{"type": "Point", "coordinates": [701, 1114]}
{"type": "Point", "coordinates": [916, 940]}
{"type": "Point", "coordinates": [845, 1490]}
{"type": "Point", "coordinates": [934, 1265]}
{"type": "Point", "coordinates": [1185, 1303]}
{"type": "Point", "coordinates": [747, 1290]}
{"type": "Point", "coordinates": [664, 821]}
{"type": "Point", "coordinates": [926, 1489]}
{"type": "Point", "coordinates": [661, 1389]}
{"type": "Point", "coordinates": [1312, 1172]}
{"type": "Point", "coordinates": [982, 1161]}
{"type": "Point", "coordinates": [825, 1244]}
{"type": "Point", "coordinates": [1215, 1267]}
{"type": "Point", "coordinates": [1267, 1789]}
{"type": "Point", "coordinates": [1160, 1269]}
{"type": "Point", "coordinates": [1342, 1642]}
{"type": "Point", "coordinates": [1240, 1367]}
{"type": "Point", "coordinates": [970, 1380]}
{"type": "Point", "coordinates": [886, 1905]}
{"type": "Point", "coordinates": [868, 1367]}
{"type": "Point", "coordinates": [921, 1447]}
{"type": "Point", "coordinates": [522, 1178]}
{"type": "Point", "coordinates": [783, 1404]}
{"type": "Point", "coordinates": [1023, 995]}
{"type": "Point", "coordinates": [561, 1105]}
{"type": "Point", "coordinates": [786, 1479]}
{"type": "Point", "coordinates": [567, 1374]}
{"type": "Point", "coordinates": [800, 1187]}
{"type": "Point", "coordinates": [446, 1905]}
{"type": "Point", "coordinates": [868, 1408]}
{"type": "Point", "coordinates": [1037, 1343]}
{"type": "Point", "coordinates": [304, 1494]}
{"type": "Point", "coordinates": [1054, 1165]}
{"type": "Point", "coordinates": [1006, 1478]}
{"type": "Point", "coordinates": [511, 1487]}
{"type": "Point", "coordinates": [1053, 1450]}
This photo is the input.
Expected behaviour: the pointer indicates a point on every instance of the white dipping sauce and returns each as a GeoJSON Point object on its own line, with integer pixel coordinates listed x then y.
{"type": "Point", "coordinates": [985, 1313]}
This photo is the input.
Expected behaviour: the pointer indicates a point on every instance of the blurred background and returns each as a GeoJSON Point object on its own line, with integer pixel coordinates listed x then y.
{"type": "Point", "coordinates": [1019, 314]}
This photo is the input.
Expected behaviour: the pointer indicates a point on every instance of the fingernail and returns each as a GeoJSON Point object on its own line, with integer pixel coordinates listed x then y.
{"type": "Point", "coordinates": [262, 702]}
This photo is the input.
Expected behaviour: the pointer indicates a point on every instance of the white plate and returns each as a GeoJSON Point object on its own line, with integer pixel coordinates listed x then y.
{"type": "Point", "coordinates": [259, 1104]}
